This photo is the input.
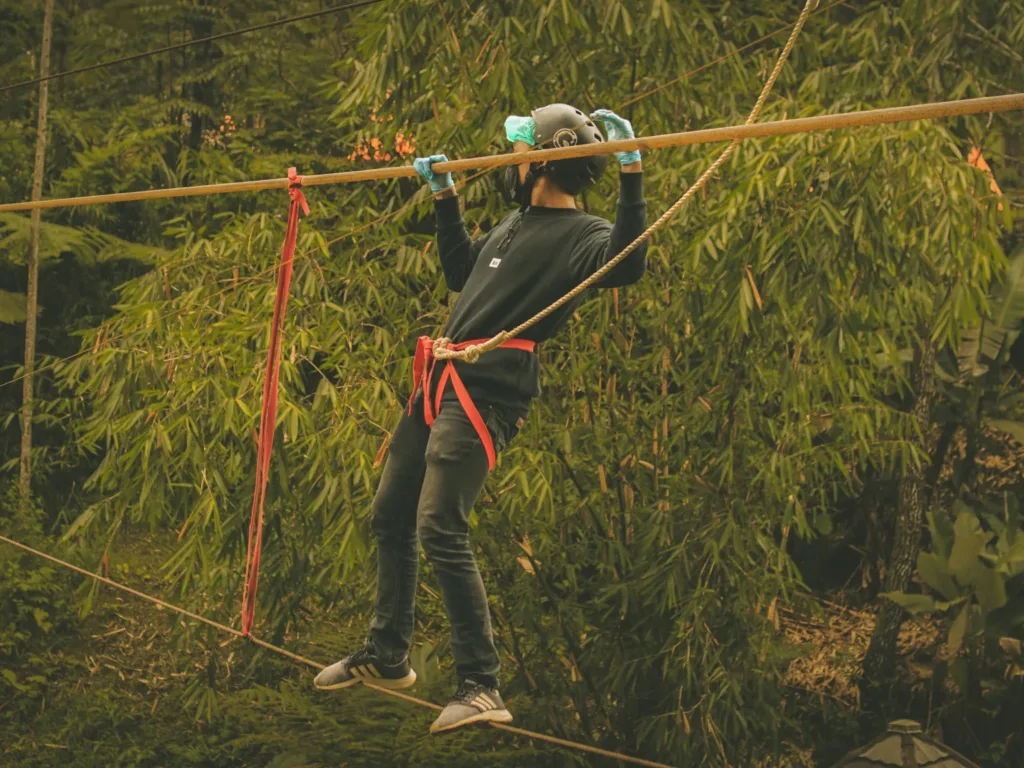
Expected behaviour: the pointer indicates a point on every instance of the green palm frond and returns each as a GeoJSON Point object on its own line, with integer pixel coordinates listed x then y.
{"type": "Point", "coordinates": [88, 244]}
{"type": "Point", "coordinates": [12, 307]}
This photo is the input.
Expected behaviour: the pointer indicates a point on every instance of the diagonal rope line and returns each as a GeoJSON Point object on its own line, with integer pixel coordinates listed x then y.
{"type": "Point", "coordinates": [723, 57]}
{"type": "Point", "coordinates": [472, 353]}
{"type": "Point", "coordinates": [187, 43]}
{"type": "Point", "coordinates": [122, 587]}
{"type": "Point", "coordinates": [315, 665]}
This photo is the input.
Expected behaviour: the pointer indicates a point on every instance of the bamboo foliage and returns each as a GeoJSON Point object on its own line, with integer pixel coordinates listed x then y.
{"type": "Point", "coordinates": [637, 533]}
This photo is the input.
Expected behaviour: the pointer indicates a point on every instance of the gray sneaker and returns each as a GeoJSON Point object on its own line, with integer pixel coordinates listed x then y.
{"type": "Point", "coordinates": [365, 665]}
{"type": "Point", "coordinates": [472, 703]}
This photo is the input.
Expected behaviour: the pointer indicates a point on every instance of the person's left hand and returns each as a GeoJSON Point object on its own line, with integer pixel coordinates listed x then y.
{"type": "Point", "coordinates": [617, 128]}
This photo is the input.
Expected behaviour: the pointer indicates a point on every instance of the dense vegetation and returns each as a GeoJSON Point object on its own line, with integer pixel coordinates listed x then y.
{"type": "Point", "coordinates": [688, 546]}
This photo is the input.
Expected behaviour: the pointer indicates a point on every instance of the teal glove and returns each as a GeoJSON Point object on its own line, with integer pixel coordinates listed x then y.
{"type": "Point", "coordinates": [438, 182]}
{"type": "Point", "coordinates": [618, 128]}
{"type": "Point", "coordinates": [520, 129]}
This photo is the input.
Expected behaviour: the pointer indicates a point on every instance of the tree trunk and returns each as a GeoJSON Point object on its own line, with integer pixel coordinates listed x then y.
{"type": "Point", "coordinates": [906, 539]}
{"type": "Point", "coordinates": [32, 301]}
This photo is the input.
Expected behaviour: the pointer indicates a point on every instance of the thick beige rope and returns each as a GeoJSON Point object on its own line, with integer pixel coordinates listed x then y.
{"type": "Point", "coordinates": [928, 111]}
{"type": "Point", "coordinates": [472, 353]}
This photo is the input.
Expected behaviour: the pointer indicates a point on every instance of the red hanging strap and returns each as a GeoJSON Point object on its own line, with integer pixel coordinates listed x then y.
{"type": "Point", "coordinates": [268, 417]}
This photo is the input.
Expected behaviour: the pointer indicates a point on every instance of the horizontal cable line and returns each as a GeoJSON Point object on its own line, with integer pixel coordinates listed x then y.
{"type": "Point", "coordinates": [186, 44]}
{"type": "Point", "coordinates": [309, 662]}
{"type": "Point", "coordinates": [926, 111]}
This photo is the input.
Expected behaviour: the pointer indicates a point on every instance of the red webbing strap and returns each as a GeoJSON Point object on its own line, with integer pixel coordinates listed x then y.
{"type": "Point", "coordinates": [422, 374]}
{"type": "Point", "coordinates": [471, 411]}
{"type": "Point", "coordinates": [268, 417]}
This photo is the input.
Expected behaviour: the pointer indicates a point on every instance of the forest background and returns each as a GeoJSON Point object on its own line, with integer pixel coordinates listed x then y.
{"type": "Point", "coordinates": [703, 548]}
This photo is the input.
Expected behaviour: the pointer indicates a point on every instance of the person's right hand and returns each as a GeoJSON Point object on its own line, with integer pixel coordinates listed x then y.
{"type": "Point", "coordinates": [438, 182]}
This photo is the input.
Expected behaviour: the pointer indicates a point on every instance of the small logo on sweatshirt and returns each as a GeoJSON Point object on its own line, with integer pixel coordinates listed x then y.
{"type": "Point", "coordinates": [495, 262]}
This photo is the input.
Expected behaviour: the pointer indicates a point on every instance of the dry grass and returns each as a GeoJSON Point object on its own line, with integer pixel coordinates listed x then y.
{"type": "Point", "coordinates": [835, 640]}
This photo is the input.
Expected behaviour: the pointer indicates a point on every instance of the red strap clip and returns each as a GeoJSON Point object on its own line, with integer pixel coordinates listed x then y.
{"type": "Point", "coordinates": [295, 190]}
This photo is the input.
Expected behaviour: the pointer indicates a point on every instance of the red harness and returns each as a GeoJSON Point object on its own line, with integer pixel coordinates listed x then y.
{"type": "Point", "coordinates": [422, 373]}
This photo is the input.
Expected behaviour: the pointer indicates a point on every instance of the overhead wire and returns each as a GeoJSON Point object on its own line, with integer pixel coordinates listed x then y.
{"type": "Point", "coordinates": [189, 43]}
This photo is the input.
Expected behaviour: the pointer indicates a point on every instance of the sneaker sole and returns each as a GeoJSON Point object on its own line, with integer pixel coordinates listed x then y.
{"type": "Point", "coordinates": [383, 682]}
{"type": "Point", "coordinates": [490, 716]}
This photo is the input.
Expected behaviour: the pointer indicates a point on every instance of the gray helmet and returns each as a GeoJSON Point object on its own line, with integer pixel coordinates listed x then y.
{"type": "Point", "coordinates": [562, 125]}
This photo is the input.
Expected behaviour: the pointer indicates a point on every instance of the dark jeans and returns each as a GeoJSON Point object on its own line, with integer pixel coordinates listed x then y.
{"type": "Point", "coordinates": [431, 480]}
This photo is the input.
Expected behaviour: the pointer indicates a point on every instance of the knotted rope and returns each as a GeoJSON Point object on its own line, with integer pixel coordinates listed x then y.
{"type": "Point", "coordinates": [472, 353]}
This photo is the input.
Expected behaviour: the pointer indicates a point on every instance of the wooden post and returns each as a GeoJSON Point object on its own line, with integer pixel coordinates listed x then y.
{"type": "Point", "coordinates": [32, 300]}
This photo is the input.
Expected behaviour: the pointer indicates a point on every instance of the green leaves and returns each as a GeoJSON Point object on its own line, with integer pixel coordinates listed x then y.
{"type": "Point", "coordinates": [915, 604]}
{"type": "Point", "coordinates": [989, 342]}
{"type": "Point", "coordinates": [12, 307]}
{"type": "Point", "coordinates": [935, 572]}
{"type": "Point", "coordinates": [989, 589]}
{"type": "Point", "coordinates": [973, 575]}
{"type": "Point", "coordinates": [89, 245]}
{"type": "Point", "coordinates": [750, 383]}
{"type": "Point", "coordinates": [968, 543]}
{"type": "Point", "coordinates": [958, 630]}
{"type": "Point", "coordinates": [1013, 428]}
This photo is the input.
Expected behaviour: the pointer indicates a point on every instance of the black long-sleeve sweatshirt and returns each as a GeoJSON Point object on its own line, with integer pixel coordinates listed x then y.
{"type": "Point", "coordinates": [525, 263]}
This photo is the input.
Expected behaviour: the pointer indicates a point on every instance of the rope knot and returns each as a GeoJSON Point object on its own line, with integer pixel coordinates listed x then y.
{"type": "Point", "coordinates": [295, 190]}
{"type": "Point", "coordinates": [439, 349]}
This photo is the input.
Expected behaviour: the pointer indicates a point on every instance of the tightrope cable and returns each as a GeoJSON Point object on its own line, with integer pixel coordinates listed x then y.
{"type": "Point", "coordinates": [315, 665]}
{"type": "Point", "coordinates": [187, 43]}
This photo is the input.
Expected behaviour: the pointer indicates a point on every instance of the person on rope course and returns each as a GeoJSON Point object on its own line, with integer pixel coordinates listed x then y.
{"type": "Point", "coordinates": [447, 440]}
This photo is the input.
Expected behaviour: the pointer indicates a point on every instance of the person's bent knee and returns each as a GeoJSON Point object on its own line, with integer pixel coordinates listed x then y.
{"type": "Point", "coordinates": [438, 541]}
{"type": "Point", "coordinates": [431, 535]}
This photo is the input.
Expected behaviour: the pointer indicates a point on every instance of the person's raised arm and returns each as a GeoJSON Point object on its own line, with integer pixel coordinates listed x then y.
{"type": "Point", "coordinates": [602, 242]}
{"type": "Point", "coordinates": [455, 248]}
